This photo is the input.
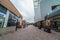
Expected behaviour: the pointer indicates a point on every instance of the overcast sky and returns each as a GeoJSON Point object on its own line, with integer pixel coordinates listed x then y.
{"type": "Point", "coordinates": [25, 7]}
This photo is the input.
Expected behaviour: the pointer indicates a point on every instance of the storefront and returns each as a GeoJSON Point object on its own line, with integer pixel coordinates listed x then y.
{"type": "Point", "coordinates": [55, 16]}
{"type": "Point", "coordinates": [7, 18]}
{"type": "Point", "coordinates": [57, 20]}
{"type": "Point", "coordinates": [12, 19]}
{"type": "Point", "coordinates": [3, 11]}
{"type": "Point", "coordinates": [8, 14]}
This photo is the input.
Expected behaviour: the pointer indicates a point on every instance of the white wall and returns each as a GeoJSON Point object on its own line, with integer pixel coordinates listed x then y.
{"type": "Point", "coordinates": [6, 18]}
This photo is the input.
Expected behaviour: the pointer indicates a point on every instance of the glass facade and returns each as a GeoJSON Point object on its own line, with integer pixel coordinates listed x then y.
{"type": "Point", "coordinates": [1, 22]}
{"type": "Point", "coordinates": [55, 7]}
{"type": "Point", "coordinates": [11, 20]}
{"type": "Point", "coordinates": [3, 11]}
{"type": "Point", "coordinates": [35, 3]}
{"type": "Point", "coordinates": [7, 18]}
{"type": "Point", "coordinates": [56, 15]}
{"type": "Point", "coordinates": [57, 19]}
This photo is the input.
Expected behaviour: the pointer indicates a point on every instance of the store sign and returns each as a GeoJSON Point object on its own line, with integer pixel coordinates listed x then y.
{"type": "Point", "coordinates": [2, 14]}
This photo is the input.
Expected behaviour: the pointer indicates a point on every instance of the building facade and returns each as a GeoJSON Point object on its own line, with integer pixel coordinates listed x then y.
{"type": "Point", "coordinates": [45, 9]}
{"type": "Point", "coordinates": [37, 16]}
{"type": "Point", "coordinates": [8, 13]}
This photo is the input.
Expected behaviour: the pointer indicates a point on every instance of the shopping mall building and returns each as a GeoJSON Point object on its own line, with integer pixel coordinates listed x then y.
{"type": "Point", "coordinates": [8, 14]}
{"type": "Point", "coordinates": [45, 9]}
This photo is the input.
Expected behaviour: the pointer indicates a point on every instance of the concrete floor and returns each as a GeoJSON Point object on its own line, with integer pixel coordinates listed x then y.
{"type": "Point", "coordinates": [31, 33]}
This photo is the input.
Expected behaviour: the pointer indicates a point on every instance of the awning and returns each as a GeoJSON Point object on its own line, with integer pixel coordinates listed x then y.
{"type": "Point", "coordinates": [11, 7]}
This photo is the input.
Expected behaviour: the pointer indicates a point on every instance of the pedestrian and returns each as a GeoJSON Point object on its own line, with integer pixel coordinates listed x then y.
{"type": "Point", "coordinates": [41, 24]}
{"type": "Point", "coordinates": [24, 24]}
{"type": "Point", "coordinates": [21, 23]}
{"type": "Point", "coordinates": [49, 25]}
{"type": "Point", "coordinates": [52, 25]}
{"type": "Point", "coordinates": [55, 25]}
{"type": "Point", "coordinates": [16, 25]}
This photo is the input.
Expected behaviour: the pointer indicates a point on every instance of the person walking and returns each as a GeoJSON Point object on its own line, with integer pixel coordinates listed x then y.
{"type": "Point", "coordinates": [21, 23]}
{"type": "Point", "coordinates": [55, 25]}
{"type": "Point", "coordinates": [49, 26]}
{"type": "Point", "coordinates": [41, 24]}
{"type": "Point", "coordinates": [16, 25]}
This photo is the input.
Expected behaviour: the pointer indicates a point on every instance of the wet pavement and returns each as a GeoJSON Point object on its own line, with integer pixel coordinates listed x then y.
{"type": "Point", "coordinates": [31, 33]}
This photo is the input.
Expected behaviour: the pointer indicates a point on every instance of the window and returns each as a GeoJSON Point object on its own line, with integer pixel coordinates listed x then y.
{"type": "Point", "coordinates": [3, 9]}
{"type": "Point", "coordinates": [55, 7]}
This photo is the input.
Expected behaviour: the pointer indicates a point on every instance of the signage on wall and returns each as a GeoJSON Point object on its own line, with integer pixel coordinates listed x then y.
{"type": "Point", "coordinates": [2, 14]}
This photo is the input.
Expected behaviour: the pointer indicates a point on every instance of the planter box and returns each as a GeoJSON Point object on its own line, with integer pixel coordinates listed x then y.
{"type": "Point", "coordinates": [7, 30]}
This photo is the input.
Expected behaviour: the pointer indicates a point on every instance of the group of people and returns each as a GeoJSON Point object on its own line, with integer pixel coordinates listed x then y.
{"type": "Point", "coordinates": [48, 25]}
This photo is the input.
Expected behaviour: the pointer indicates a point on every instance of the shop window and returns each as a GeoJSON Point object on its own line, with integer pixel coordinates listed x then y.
{"type": "Point", "coordinates": [1, 22]}
{"type": "Point", "coordinates": [12, 19]}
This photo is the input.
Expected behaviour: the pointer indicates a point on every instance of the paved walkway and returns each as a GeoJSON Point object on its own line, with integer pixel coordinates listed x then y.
{"type": "Point", "coordinates": [31, 33]}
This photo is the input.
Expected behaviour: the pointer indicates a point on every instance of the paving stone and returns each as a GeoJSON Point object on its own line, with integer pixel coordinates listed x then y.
{"type": "Point", "coordinates": [31, 33]}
